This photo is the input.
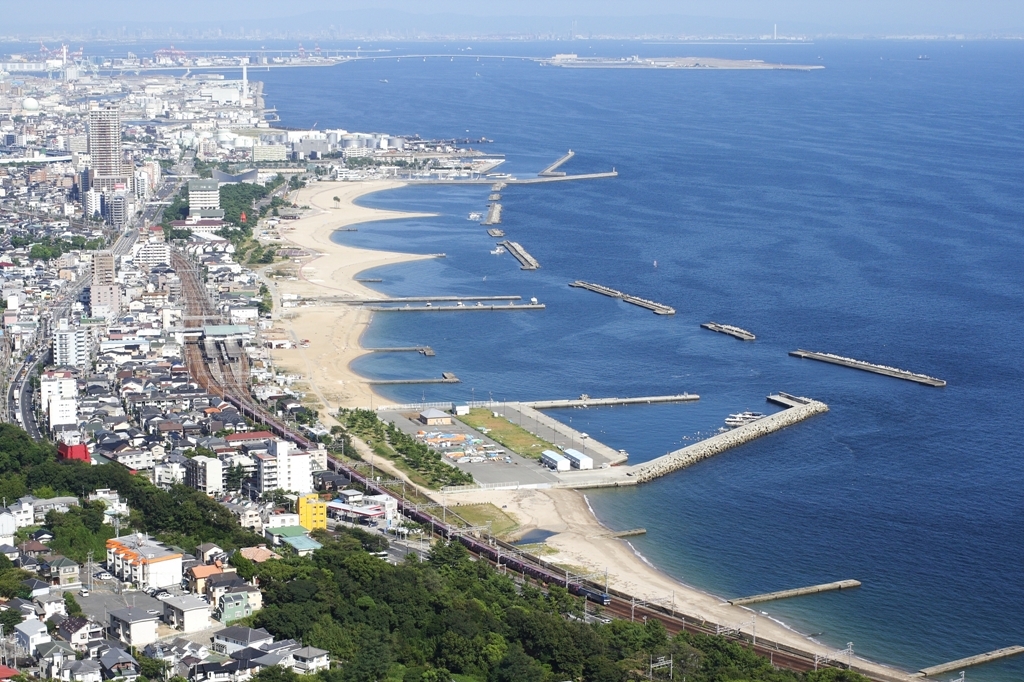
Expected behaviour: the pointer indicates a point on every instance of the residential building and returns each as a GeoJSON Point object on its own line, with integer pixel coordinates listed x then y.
{"type": "Point", "coordinates": [30, 634]}
{"type": "Point", "coordinates": [205, 474]}
{"type": "Point", "coordinates": [71, 347]}
{"type": "Point", "coordinates": [312, 512]}
{"type": "Point", "coordinates": [56, 384]}
{"type": "Point", "coordinates": [282, 469]}
{"type": "Point", "coordinates": [81, 671]}
{"type": "Point", "coordinates": [235, 638]}
{"type": "Point", "coordinates": [232, 607]}
{"type": "Point", "coordinates": [309, 660]}
{"type": "Point", "coordinates": [79, 631]}
{"type": "Point", "coordinates": [108, 167]}
{"type": "Point", "coordinates": [187, 613]}
{"type": "Point", "coordinates": [63, 412]}
{"type": "Point", "coordinates": [62, 572]}
{"type": "Point", "coordinates": [133, 626]}
{"type": "Point", "coordinates": [143, 562]}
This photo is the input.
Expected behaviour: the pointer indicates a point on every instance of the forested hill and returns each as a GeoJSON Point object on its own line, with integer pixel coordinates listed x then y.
{"type": "Point", "coordinates": [448, 618]}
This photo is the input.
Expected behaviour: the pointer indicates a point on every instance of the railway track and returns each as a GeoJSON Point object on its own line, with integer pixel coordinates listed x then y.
{"type": "Point", "coordinates": [230, 388]}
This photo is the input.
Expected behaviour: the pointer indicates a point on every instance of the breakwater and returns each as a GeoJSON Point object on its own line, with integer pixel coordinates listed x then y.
{"type": "Point", "coordinates": [684, 457]}
{"type": "Point", "coordinates": [552, 170]}
{"type": "Point", "coordinates": [798, 592]}
{"type": "Point", "coordinates": [493, 215]}
{"type": "Point", "coordinates": [453, 308]}
{"type": "Point", "coordinates": [446, 378]}
{"type": "Point", "coordinates": [969, 661]}
{"type": "Point", "coordinates": [656, 308]}
{"type": "Point", "coordinates": [741, 334]}
{"type": "Point", "coordinates": [495, 232]}
{"type": "Point", "coordinates": [869, 367]}
{"type": "Point", "coordinates": [587, 401]}
{"type": "Point", "coordinates": [526, 261]}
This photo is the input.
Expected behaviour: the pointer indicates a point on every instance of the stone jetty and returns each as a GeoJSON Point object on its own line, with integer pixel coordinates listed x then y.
{"type": "Point", "coordinates": [802, 408]}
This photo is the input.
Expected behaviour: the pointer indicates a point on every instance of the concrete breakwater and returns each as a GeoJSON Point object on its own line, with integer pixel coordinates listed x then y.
{"type": "Point", "coordinates": [493, 215]}
{"type": "Point", "coordinates": [587, 401]}
{"type": "Point", "coordinates": [682, 458]}
{"type": "Point", "coordinates": [655, 307]}
{"type": "Point", "coordinates": [869, 367]}
{"type": "Point", "coordinates": [526, 261]}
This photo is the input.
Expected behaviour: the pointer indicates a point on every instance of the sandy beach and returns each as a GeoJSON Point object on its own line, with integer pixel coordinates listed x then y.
{"type": "Point", "coordinates": [332, 331]}
{"type": "Point", "coordinates": [581, 541]}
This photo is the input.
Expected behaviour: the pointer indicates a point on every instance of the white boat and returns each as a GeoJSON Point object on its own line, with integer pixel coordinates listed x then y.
{"type": "Point", "coordinates": [475, 216]}
{"type": "Point", "coordinates": [498, 250]}
{"type": "Point", "coordinates": [742, 419]}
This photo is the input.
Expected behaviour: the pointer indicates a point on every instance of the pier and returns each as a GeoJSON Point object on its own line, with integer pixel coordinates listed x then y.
{"type": "Point", "coordinates": [446, 378]}
{"type": "Point", "coordinates": [869, 367]}
{"type": "Point", "coordinates": [558, 434]}
{"type": "Point", "coordinates": [552, 170]}
{"type": "Point", "coordinates": [495, 232]}
{"type": "Point", "coordinates": [493, 215]}
{"type": "Point", "coordinates": [656, 308]}
{"type": "Point", "coordinates": [369, 279]}
{"type": "Point", "coordinates": [559, 178]}
{"type": "Point", "coordinates": [425, 350]}
{"type": "Point", "coordinates": [526, 261]}
{"type": "Point", "coordinates": [587, 401]}
{"type": "Point", "coordinates": [798, 410]}
{"type": "Point", "coordinates": [416, 299]}
{"type": "Point", "coordinates": [741, 334]}
{"type": "Point", "coordinates": [798, 592]}
{"type": "Point", "coordinates": [454, 308]}
{"type": "Point", "coordinates": [969, 661]}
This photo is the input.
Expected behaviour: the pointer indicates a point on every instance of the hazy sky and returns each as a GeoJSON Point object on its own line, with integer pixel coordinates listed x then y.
{"type": "Point", "coordinates": [843, 16]}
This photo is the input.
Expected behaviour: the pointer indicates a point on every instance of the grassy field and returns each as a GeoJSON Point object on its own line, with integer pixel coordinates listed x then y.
{"type": "Point", "coordinates": [512, 436]}
{"type": "Point", "coordinates": [479, 514]}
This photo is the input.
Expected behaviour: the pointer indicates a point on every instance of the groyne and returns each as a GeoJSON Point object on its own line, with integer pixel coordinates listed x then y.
{"type": "Point", "coordinates": [868, 367]}
{"type": "Point", "coordinates": [969, 661]}
{"type": "Point", "coordinates": [446, 378]}
{"type": "Point", "coordinates": [656, 308]}
{"type": "Point", "coordinates": [797, 592]}
{"type": "Point", "coordinates": [526, 261]}
{"type": "Point", "coordinates": [682, 458]}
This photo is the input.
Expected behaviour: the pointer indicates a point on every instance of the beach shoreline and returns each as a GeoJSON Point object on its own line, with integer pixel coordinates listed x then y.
{"type": "Point", "coordinates": [328, 337]}
{"type": "Point", "coordinates": [335, 332]}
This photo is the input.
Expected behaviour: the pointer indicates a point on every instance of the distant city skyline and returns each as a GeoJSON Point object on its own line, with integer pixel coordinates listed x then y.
{"type": "Point", "coordinates": [406, 18]}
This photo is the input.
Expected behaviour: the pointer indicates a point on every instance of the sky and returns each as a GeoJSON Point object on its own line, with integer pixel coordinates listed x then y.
{"type": "Point", "coordinates": [845, 17]}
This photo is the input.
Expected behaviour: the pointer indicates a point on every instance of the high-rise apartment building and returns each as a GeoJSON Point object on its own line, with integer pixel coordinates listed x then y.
{"type": "Point", "coordinates": [283, 469]}
{"type": "Point", "coordinates": [205, 474]}
{"type": "Point", "coordinates": [108, 167]}
{"type": "Point", "coordinates": [105, 294]}
{"type": "Point", "coordinates": [71, 347]}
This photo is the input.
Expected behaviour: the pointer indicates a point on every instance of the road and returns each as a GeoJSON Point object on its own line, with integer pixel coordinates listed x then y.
{"type": "Point", "coordinates": [20, 391]}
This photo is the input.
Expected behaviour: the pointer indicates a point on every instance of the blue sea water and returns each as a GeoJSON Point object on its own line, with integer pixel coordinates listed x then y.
{"type": "Point", "coordinates": [872, 209]}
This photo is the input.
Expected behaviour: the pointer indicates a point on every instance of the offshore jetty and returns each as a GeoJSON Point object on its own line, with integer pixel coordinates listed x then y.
{"type": "Point", "coordinates": [526, 261]}
{"type": "Point", "coordinates": [798, 592]}
{"type": "Point", "coordinates": [741, 334]}
{"type": "Point", "coordinates": [797, 409]}
{"type": "Point", "coordinates": [869, 367]}
{"type": "Point", "coordinates": [657, 308]}
{"type": "Point", "coordinates": [493, 215]}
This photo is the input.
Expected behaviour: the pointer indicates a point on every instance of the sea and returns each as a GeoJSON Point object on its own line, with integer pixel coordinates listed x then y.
{"type": "Point", "coordinates": [873, 209]}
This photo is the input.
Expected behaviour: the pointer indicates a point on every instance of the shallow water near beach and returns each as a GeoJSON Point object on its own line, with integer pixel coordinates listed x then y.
{"type": "Point", "coordinates": [872, 209]}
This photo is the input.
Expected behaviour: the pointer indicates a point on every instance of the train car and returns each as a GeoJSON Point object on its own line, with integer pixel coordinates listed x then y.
{"type": "Point", "coordinates": [602, 598]}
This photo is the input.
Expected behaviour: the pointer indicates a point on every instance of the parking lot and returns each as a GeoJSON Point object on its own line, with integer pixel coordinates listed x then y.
{"type": "Point", "coordinates": [492, 470]}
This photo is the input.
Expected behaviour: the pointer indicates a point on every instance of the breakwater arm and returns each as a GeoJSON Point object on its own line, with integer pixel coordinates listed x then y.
{"type": "Point", "coordinates": [971, 661]}
{"type": "Point", "coordinates": [600, 402]}
{"type": "Point", "coordinates": [493, 215]}
{"type": "Point", "coordinates": [656, 308]}
{"type": "Point", "coordinates": [798, 592]}
{"type": "Point", "coordinates": [682, 458]}
{"type": "Point", "coordinates": [868, 367]}
{"type": "Point", "coordinates": [526, 261]}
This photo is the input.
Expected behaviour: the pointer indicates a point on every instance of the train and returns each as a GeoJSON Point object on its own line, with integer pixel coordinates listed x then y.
{"type": "Point", "coordinates": [602, 598]}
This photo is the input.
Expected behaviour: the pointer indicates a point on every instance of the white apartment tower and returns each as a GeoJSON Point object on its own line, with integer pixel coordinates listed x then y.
{"type": "Point", "coordinates": [205, 474]}
{"type": "Point", "coordinates": [108, 167]}
{"type": "Point", "coordinates": [204, 199]}
{"type": "Point", "coordinates": [71, 347]}
{"type": "Point", "coordinates": [281, 468]}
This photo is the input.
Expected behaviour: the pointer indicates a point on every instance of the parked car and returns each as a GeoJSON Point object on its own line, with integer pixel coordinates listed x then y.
{"type": "Point", "coordinates": [103, 575]}
{"type": "Point", "coordinates": [163, 596]}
